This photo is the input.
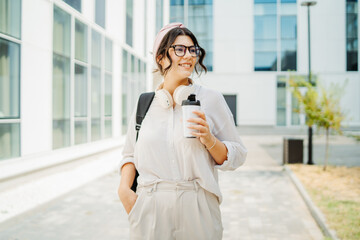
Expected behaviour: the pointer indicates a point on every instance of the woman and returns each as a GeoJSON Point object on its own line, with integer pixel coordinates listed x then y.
{"type": "Point", "coordinates": [178, 194]}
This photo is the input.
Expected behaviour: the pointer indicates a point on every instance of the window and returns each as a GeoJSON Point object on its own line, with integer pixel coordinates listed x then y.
{"type": "Point", "coordinates": [281, 104]}
{"type": "Point", "coordinates": [9, 99]}
{"type": "Point", "coordinates": [129, 22]}
{"type": "Point", "coordinates": [133, 84]}
{"type": "Point", "coordinates": [61, 79]}
{"type": "Point", "coordinates": [273, 28]}
{"type": "Point", "coordinates": [352, 44]}
{"type": "Point", "coordinates": [82, 82]}
{"type": "Point", "coordinates": [9, 80]}
{"type": "Point", "coordinates": [108, 87]}
{"type": "Point", "coordinates": [288, 42]}
{"type": "Point", "coordinates": [95, 86]}
{"type": "Point", "coordinates": [286, 103]}
{"type": "Point", "coordinates": [124, 95]}
{"type": "Point", "coordinates": [76, 4]}
{"type": "Point", "coordinates": [10, 23]}
{"type": "Point", "coordinates": [199, 21]}
{"type": "Point", "coordinates": [159, 15]}
{"type": "Point", "coordinates": [81, 43]}
{"type": "Point", "coordinates": [265, 37]}
{"type": "Point", "coordinates": [100, 12]}
{"type": "Point", "coordinates": [177, 11]}
{"type": "Point", "coordinates": [81, 112]}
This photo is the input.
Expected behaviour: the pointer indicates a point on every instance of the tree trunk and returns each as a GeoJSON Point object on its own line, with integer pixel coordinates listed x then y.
{"type": "Point", "coordinates": [326, 149]}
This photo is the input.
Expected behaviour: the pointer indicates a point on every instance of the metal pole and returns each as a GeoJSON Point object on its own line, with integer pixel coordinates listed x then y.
{"type": "Point", "coordinates": [310, 162]}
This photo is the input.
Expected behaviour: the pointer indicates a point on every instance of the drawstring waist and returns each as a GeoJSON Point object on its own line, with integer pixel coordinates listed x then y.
{"type": "Point", "coordinates": [171, 186]}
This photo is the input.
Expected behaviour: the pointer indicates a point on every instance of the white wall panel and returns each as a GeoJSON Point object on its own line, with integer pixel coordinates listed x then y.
{"type": "Point", "coordinates": [36, 77]}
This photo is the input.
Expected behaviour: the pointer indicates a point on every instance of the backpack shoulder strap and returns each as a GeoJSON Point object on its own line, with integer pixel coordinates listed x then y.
{"type": "Point", "coordinates": [144, 103]}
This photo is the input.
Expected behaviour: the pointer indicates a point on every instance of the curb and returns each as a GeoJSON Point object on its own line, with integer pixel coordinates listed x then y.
{"type": "Point", "coordinates": [315, 212]}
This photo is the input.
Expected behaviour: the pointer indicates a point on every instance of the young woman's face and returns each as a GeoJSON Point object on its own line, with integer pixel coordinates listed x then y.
{"type": "Point", "coordinates": [182, 66]}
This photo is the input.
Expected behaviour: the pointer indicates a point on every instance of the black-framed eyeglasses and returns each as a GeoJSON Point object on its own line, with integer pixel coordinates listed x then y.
{"type": "Point", "coordinates": [180, 50]}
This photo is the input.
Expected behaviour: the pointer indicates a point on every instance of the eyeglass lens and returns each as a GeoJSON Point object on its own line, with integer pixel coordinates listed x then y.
{"type": "Point", "coordinates": [181, 50]}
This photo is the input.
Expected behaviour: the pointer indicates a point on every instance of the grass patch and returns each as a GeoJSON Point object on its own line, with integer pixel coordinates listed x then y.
{"type": "Point", "coordinates": [336, 192]}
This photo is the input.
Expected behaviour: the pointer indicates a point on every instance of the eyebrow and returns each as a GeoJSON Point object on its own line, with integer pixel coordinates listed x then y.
{"type": "Point", "coordinates": [183, 45]}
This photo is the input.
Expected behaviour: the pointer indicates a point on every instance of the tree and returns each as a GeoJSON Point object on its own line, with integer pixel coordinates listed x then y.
{"type": "Point", "coordinates": [322, 110]}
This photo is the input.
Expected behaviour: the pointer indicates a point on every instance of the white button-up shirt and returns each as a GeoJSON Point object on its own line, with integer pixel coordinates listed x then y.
{"type": "Point", "coordinates": [163, 153]}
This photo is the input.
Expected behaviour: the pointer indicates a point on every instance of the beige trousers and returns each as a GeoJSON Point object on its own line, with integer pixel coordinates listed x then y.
{"type": "Point", "coordinates": [175, 211]}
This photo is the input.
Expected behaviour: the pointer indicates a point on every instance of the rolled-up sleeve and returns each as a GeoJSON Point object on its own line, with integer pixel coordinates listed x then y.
{"type": "Point", "coordinates": [225, 131]}
{"type": "Point", "coordinates": [129, 146]}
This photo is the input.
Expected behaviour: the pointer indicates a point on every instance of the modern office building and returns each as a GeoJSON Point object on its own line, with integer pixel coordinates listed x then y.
{"type": "Point", "coordinates": [254, 45]}
{"type": "Point", "coordinates": [71, 70]}
{"type": "Point", "coordinates": [70, 73]}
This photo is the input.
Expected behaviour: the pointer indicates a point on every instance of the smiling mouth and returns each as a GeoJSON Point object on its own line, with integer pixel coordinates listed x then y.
{"type": "Point", "coordinates": [185, 65]}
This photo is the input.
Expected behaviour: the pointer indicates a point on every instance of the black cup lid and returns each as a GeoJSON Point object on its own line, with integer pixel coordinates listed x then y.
{"type": "Point", "coordinates": [191, 101]}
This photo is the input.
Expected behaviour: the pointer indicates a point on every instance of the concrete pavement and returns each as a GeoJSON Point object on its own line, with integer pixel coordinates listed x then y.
{"type": "Point", "coordinates": [260, 202]}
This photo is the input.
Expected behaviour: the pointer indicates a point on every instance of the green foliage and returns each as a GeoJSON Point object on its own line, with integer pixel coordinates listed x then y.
{"type": "Point", "coordinates": [323, 109]}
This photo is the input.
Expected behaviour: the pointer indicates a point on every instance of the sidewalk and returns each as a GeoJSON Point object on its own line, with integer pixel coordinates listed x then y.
{"type": "Point", "coordinates": [260, 202]}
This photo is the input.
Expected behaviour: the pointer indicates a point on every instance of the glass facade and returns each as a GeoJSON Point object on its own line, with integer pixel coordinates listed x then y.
{"type": "Point", "coordinates": [76, 4]}
{"type": "Point", "coordinates": [352, 41]}
{"type": "Point", "coordinates": [108, 87]}
{"type": "Point", "coordinates": [61, 78]}
{"type": "Point", "coordinates": [95, 103]}
{"type": "Point", "coordinates": [281, 103]}
{"type": "Point", "coordinates": [197, 15]}
{"type": "Point", "coordinates": [10, 18]}
{"type": "Point", "coordinates": [84, 113]}
{"type": "Point", "coordinates": [100, 12]}
{"type": "Point", "coordinates": [265, 35]}
{"type": "Point", "coordinates": [9, 80]}
{"type": "Point", "coordinates": [177, 11]}
{"type": "Point", "coordinates": [10, 26]}
{"type": "Point", "coordinates": [129, 22]}
{"type": "Point", "coordinates": [285, 115]}
{"type": "Point", "coordinates": [124, 91]}
{"type": "Point", "coordinates": [275, 24]}
{"type": "Point", "coordinates": [133, 84]}
{"type": "Point", "coordinates": [159, 16]}
{"type": "Point", "coordinates": [81, 43]}
{"type": "Point", "coordinates": [9, 140]}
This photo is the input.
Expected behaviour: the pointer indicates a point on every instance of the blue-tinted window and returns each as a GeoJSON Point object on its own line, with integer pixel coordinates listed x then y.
{"type": "Point", "coordinates": [265, 9]}
{"type": "Point", "coordinates": [10, 12]}
{"type": "Point", "coordinates": [265, 37]}
{"type": "Point", "coordinates": [265, 45]}
{"type": "Point", "coordinates": [76, 4]}
{"type": "Point", "coordinates": [288, 42]}
{"type": "Point", "coordinates": [177, 13]}
{"type": "Point", "coordinates": [265, 1]}
{"type": "Point", "coordinates": [200, 2]}
{"type": "Point", "coordinates": [176, 2]}
{"type": "Point", "coordinates": [159, 15]}
{"type": "Point", "coordinates": [265, 27]}
{"type": "Point", "coordinates": [352, 47]}
{"type": "Point", "coordinates": [100, 12]}
{"type": "Point", "coordinates": [265, 61]}
{"type": "Point", "coordinates": [266, 32]}
{"type": "Point", "coordinates": [129, 22]}
{"type": "Point", "coordinates": [288, 27]}
{"type": "Point", "coordinates": [200, 22]}
{"type": "Point", "coordinates": [9, 80]}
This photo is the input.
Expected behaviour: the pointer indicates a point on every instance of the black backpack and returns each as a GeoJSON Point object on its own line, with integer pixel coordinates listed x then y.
{"type": "Point", "coordinates": [144, 103]}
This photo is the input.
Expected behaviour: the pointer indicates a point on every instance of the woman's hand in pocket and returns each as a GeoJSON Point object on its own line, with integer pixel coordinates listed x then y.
{"type": "Point", "coordinates": [128, 198]}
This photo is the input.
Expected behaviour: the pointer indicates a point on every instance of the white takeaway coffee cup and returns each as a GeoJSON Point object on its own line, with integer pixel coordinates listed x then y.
{"type": "Point", "coordinates": [188, 106]}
